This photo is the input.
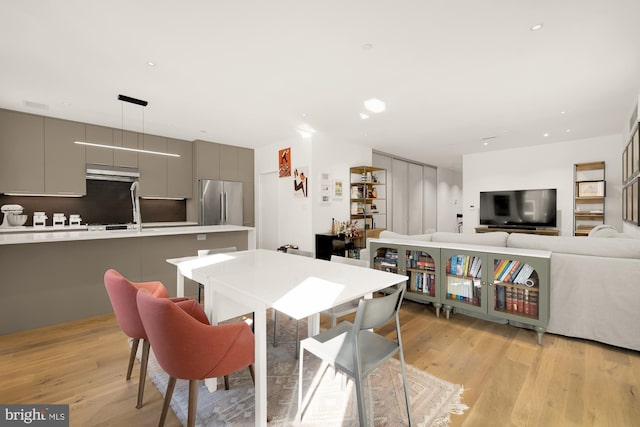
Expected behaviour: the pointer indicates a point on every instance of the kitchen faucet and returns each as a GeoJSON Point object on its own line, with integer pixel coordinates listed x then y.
{"type": "Point", "coordinates": [135, 202]}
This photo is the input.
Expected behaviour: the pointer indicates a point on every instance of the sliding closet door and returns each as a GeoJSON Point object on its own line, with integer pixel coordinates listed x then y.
{"type": "Point", "coordinates": [415, 194]}
{"type": "Point", "coordinates": [400, 171]}
{"type": "Point", "coordinates": [430, 199]}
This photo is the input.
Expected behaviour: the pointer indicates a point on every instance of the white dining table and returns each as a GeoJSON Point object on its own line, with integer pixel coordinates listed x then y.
{"type": "Point", "coordinates": [238, 283]}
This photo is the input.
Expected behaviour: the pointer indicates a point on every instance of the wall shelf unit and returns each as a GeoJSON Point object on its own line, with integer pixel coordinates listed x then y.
{"type": "Point", "coordinates": [589, 197]}
{"type": "Point", "coordinates": [368, 202]}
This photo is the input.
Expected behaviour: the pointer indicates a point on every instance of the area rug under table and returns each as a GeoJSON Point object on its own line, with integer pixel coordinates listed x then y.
{"type": "Point", "coordinates": [334, 401]}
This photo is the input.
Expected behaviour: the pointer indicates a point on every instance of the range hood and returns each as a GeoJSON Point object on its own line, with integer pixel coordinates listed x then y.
{"type": "Point", "coordinates": [112, 173]}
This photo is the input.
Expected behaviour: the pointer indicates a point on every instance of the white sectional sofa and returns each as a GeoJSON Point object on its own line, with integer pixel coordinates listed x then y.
{"type": "Point", "coordinates": [595, 281]}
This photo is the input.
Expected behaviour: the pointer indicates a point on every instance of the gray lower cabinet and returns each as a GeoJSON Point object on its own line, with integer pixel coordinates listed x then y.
{"type": "Point", "coordinates": [509, 285]}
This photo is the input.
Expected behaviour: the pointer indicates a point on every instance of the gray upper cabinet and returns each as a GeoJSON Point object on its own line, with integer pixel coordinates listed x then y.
{"type": "Point", "coordinates": [126, 139]}
{"type": "Point", "coordinates": [64, 161]}
{"type": "Point", "coordinates": [207, 160]}
{"type": "Point", "coordinates": [21, 152]}
{"type": "Point", "coordinates": [153, 167]}
{"type": "Point", "coordinates": [99, 135]}
{"type": "Point", "coordinates": [229, 163]}
{"type": "Point", "coordinates": [180, 169]}
{"type": "Point", "coordinates": [245, 164]}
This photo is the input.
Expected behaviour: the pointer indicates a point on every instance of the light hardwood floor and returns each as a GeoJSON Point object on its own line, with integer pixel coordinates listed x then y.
{"type": "Point", "coordinates": [509, 380]}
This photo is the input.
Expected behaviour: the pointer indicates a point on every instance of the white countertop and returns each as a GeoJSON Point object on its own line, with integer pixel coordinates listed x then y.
{"type": "Point", "coordinates": [55, 235]}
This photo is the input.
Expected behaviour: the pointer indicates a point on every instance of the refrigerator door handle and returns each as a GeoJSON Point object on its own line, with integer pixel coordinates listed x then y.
{"type": "Point", "coordinates": [222, 208]}
{"type": "Point", "coordinates": [226, 208]}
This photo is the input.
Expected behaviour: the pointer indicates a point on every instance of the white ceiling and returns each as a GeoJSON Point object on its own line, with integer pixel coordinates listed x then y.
{"type": "Point", "coordinates": [249, 73]}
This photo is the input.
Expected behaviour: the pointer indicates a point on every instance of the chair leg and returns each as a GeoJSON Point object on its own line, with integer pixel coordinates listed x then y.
{"type": "Point", "coordinates": [297, 338]}
{"type": "Point", "coordinates": [167, 400]}
{"type": "Point", "coordinates": [275, 328]}
{"type": "Point", "coordinates": [143, 371]}
{"type": "Point", "coordinates": [226, 382]}
{"type": "Point", "coordinates": [132, 356]}
{"type": "Point", "coordinates": [200, 293]}
{"type": "Point", "coordinates": [253, 374]}
{"type": "Point", "coordinates": [362, 412]}
{"type": "Point", "coordinates": [406, 389]}
{"type": "Point", "coordinates": [193, 403]}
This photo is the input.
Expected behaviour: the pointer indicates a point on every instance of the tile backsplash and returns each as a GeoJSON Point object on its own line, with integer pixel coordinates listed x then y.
{"type": "Point", "coordinates": [106, 202]}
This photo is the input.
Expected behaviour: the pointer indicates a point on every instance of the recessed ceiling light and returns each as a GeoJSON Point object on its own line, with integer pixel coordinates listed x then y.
{"type": "Point", "coordinates": [364, 116]}
{"type": "Point", "coordinates": [151, 63]}
{"type": "Point", "coordinates": [568, 130]}
{"type": "Point", "coordinates": [375, 105]}
{"type": "Point", "coordinates": [563, 112]}
{"type": "Point", "coordinates": [485, 143]}
{"type": "Point", "coordinates": [546, 135]}
{"type": "Point", "coordinates": [536, 27]}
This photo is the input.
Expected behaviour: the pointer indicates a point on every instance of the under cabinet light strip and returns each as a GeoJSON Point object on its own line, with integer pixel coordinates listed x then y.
{"type": "Point", "coordinates": [137, 150]}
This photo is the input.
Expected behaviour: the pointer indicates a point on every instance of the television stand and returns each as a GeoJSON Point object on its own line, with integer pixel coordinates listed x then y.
{"type": "Point", "coordinates": [541, 232]}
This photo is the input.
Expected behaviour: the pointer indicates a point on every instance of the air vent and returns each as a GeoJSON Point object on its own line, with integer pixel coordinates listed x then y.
{"type": "Point", "coordinates": [38, 105]}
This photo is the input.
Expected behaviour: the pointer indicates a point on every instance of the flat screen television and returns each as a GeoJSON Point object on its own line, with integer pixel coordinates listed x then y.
{"type": "Point", "coordinates": [518, 208]}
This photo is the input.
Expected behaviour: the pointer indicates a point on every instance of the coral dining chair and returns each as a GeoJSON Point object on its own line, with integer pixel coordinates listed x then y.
{"type": "Point", "coordinates": [122, 293]}
{"type": "Point", "coordinates": [187, 348]}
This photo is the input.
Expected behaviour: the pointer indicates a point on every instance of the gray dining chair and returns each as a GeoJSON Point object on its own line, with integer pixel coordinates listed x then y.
{"type": "Point", "coordinates": [275, 312]}
{"type": "Point", "coordinates": [356, 350]}
{"type": "Point", "coordinates": [350, 306]}
{"type": "Point", "coordinates": [205, 252]}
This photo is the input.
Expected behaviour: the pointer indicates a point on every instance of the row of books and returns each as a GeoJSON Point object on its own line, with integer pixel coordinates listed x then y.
{"type": "Point", "coordinates": [465, 265]}
{"type": "Point", "coordinates": [511, 271]}
{"type": "Point", "coordinates": [418, 259]}
{"type": "Point", "coordinates": [517, 300]}
{"type": "Point", "coordinates": [464, 290]}
{"type": "Point", "coordinates": [423, 282]}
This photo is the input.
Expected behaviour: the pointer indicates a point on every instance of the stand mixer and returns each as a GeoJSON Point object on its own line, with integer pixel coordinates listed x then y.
{"type": "Point", "coordinates": [13, 216]}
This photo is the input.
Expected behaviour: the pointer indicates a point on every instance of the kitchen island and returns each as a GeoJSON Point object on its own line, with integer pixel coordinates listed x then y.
{"type": "Point", "coordinates": [53, 277]}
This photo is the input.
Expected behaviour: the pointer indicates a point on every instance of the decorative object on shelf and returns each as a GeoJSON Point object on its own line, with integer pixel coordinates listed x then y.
{"type": "Point", "coordinates": [589, 192]}
{"type": "Point", "coordinates": [351, 230]}
{"type": "Point", "coordinates": [284, 162]}
{"type": "Point", "coordinates": [368, 205]}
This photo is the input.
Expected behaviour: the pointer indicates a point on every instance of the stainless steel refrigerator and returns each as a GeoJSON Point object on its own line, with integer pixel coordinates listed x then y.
{"type": "Point", "coordinates": [220, 202]}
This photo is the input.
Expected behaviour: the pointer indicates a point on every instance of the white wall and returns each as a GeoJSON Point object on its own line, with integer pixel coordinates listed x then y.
{"type": "Point", "coordinates": [543, 166]}
{"type": "Point", "coordinates": [299, 219]}
{"type": "Point", "coordinates": [294, 213]}
{"type": "Point", "coordinates": [449, 199]}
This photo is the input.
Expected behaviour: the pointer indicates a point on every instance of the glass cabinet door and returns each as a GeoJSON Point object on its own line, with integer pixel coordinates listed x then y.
{"type": "Point", "coordinates": [464, 283]}
{"type": "Point", "coordinates": [421, 265]}
{"type": "Point", "coordinates": [385, 258]}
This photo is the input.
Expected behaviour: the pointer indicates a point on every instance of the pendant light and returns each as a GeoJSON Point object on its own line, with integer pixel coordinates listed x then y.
{"type": "Point", "coordinates": [136, 101]}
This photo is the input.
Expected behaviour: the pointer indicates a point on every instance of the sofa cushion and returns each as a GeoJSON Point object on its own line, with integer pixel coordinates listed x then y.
{"type": "Point", "coordinates": [498, 238]}
{"type": "Point", "coordinates": [611, 247]}
{"type": "Point", "coordinates": [386, 234]}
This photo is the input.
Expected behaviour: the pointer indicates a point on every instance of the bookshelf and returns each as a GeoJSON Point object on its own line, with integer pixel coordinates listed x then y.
{"type": "Point", "coordinates": [589, 197]}
{"type": "Point", "coordinates": [419, 263]}
{"type": "Point", "coordinates": [504, 284]}
{"type": "Point", "coordinates": [368, 202]}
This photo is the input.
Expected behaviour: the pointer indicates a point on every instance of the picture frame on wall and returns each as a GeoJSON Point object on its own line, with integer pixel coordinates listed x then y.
{"type": "Point", "coordinates": [630, 200]}
{"type": "Point", "coordinates": [635, 144]}
{"type": "Point", "coordinates": [629, 160]}
{"type": "Point", "coordinates": [624, 203]}
{"type": "Point", "coordinates": [634, 208]}
{"type": "Point", "coordinates": [625, 172]}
